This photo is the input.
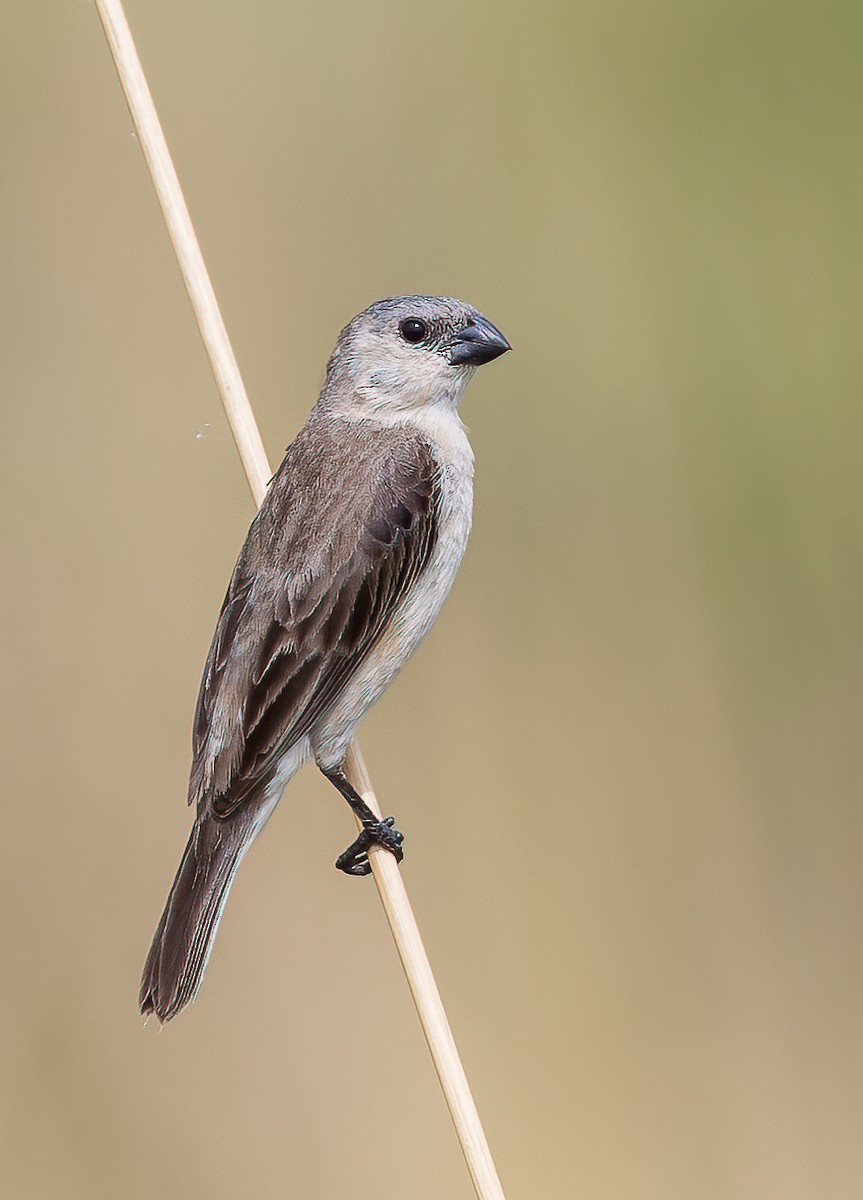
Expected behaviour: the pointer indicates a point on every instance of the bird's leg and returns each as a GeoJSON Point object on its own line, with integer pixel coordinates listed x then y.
{"type": "Point", "coordinates": [355, 860]}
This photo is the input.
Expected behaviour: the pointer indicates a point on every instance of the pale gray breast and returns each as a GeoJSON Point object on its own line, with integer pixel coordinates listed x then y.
{"type": "Point", "coordinates": [414, 616]}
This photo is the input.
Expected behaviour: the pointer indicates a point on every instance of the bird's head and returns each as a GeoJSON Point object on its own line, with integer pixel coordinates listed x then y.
{"type": "Point", "coordinates": [410, 351]}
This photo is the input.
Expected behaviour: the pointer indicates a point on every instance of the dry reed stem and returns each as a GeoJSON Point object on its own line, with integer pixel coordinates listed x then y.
{"type": "Point", "coordinates": [254, 459]}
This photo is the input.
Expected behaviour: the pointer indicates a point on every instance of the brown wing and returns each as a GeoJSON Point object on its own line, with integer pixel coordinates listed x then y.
{"type": "Point", "coordinates": [348, 524]}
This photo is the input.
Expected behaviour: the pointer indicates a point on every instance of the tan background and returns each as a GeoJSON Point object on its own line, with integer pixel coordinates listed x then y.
{"type": "Point", "coordinates": [628, 759]}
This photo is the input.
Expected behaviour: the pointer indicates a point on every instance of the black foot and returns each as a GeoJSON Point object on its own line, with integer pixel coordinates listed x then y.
{"type": "Point", "coordinates": [355, 860]}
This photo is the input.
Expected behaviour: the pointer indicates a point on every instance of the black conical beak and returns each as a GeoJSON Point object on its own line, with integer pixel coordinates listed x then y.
{"type": "Point", "coordinates": [479, 342]}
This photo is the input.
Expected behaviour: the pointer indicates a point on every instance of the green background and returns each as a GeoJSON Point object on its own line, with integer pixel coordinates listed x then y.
{"type": "Point", "coordinates": [627, 759]}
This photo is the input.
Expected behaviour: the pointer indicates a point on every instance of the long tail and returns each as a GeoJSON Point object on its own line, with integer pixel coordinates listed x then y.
{"type": "Point", "coordinates": [184, 938]}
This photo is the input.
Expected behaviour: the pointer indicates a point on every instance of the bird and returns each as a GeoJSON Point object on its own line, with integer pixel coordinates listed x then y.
{"type": "Point", "coordinates": [343, 571]}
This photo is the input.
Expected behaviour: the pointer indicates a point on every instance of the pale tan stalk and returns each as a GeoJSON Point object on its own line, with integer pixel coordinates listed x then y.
{"type": "Point", "coordinates": [251, 449]}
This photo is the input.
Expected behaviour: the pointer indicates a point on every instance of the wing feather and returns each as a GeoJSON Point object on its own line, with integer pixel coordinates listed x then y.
{"type": "Point", "coordinates": [325, 566]}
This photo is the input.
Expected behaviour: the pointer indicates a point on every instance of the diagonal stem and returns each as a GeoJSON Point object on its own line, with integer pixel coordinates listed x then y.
{"type": "Point", "coordinates": [254, 459]}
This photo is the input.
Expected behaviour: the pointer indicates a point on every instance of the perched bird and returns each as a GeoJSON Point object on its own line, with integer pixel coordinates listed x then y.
{"type": "Point", "coordinates": [344, 569]}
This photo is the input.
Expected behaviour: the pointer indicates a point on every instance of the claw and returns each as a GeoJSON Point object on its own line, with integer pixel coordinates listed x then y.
{"type": "Point", "coordinates": [355, 860]}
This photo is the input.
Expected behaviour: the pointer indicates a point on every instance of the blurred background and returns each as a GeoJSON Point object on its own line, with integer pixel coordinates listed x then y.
{"type": "Point", "coordinates": [628, 757]}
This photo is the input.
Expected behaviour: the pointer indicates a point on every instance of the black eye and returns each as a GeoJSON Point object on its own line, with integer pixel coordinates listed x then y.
{"type": "Point", "coordinates": [413, 330]}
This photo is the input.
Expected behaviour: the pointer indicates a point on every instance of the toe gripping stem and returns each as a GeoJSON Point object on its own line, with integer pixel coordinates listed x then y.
{"type": "Point", "coordinates": [355, 860]}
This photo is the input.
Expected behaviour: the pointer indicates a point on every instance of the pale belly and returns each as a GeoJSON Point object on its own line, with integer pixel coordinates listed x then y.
{"type": "Point", "coordinates": [331, 735]}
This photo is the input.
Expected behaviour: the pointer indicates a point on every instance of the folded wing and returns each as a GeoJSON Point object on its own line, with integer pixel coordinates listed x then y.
{"type": "Point", "coordinates": [348, 524]}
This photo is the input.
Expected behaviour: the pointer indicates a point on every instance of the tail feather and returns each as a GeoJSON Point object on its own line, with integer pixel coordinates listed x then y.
{"type": "Point", "coordinates": [184, 937]}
